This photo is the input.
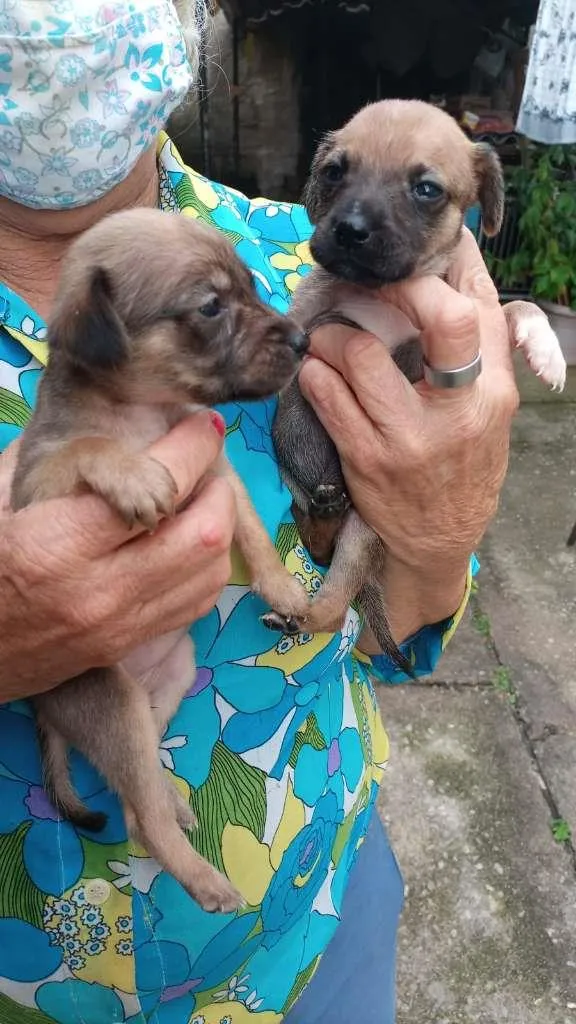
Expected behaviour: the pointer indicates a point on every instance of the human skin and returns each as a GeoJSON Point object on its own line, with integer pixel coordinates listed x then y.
{"type": "Point", "coordinates": [406, 440]}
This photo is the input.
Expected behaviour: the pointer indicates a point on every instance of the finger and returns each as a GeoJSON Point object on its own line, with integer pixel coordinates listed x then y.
{"type": "Point", "coordinates": [449, 322]}
{"type": "Point", "coordinates": [89, 525]}
{"type": "Point", "coordinates": [337, 408]}
{"type": "Point", "coordinates": [180, 547]}
{"type": "Point", "coordinates": [160, 614]}
{"type": "Point", "coordinates": [469, 275]}
{"type": "Point", "coordinates": [364, 363]}
{"type": "Point", "coordinates": [184, 604]}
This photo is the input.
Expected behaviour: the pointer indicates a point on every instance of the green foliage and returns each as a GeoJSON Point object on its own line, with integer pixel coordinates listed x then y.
{"type": "Point", "coordinates": [561, 830]}
{"type": "Point", "coordinates": [545, 262]}
{"type": "Point", "coordinates": [502, 681]}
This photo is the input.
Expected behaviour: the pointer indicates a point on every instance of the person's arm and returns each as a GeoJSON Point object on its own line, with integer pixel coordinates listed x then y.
{"type": "Point", "coordinates": [77, 588]}
{"type": "Point", "coordinates": [425, 602]}
{"type": "Point", "coordinates": [424, 466]}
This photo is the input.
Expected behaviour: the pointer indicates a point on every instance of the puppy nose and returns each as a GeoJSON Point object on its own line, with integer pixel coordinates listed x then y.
{"type": "Point", "coordinates": [299, 342]}
{"type": "Point", "coordinates": [352, 231]}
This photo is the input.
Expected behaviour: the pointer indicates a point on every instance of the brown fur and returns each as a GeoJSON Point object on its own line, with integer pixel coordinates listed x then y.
{"type": "Point", "coordinates": [155, 316]}
{"type": "Point", "coordinates": [372, 228]}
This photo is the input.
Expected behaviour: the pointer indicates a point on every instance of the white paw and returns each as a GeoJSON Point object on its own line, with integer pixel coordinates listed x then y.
{"type": "Point", "coordinates": [541, 347]}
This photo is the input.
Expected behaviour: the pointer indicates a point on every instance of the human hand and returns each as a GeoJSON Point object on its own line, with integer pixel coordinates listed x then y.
{"type": "Point", "coordinates": [78, 589]}
{"type": "Point", "coordinates": [424, 466]}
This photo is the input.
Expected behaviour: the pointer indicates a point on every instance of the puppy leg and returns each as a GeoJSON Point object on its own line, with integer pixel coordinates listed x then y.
{"type": "Point", "coordinates": [57, 781]}
{"type": "Point", "coordinates": [357, 546]}
{"type": "Point", "coordinates": [106, 715]}
{"type": "Point", "coordinates": [269, 577]}
{"type": "Point", "coordinates": [308, 457]}
{"type": "Point", "coordinates": [137, 486]}
{"type": "Point", "coordinates": [530, 331]}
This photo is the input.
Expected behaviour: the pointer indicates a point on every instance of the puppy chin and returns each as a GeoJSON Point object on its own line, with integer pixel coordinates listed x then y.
{"type": "Point", "coordinates": [369, 272]}
{"type": "Point", "coordinates": [261, 381]}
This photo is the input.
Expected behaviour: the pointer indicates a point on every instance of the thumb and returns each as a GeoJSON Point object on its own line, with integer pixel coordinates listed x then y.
{"type": "Point", "coordinates": [93, 529]}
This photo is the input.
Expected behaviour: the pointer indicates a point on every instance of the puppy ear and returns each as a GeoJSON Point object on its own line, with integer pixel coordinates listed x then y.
{"type": "Point", "coordinates": [490, 187]}
{"type": "Point", "coordinates": [89, 330]}
{"type": "Point", "coordinates": [313, 192]}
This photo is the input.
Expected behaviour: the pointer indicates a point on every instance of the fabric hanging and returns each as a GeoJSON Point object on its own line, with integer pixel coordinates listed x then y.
{"type": "Point", "coordinates": [548, 108]}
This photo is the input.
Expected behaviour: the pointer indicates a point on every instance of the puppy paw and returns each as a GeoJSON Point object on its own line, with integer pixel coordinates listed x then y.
{"type": "Point", "coordinates": [541, 348]}
{"type": "Point", "coordinates": [185, 816]}
{"type": "Point", "coordinates": [329, 502]}
{"type": "Point", "coordinates": [288, 625]}
{"type": "Point", "coordinates": [284, 593]}
{"type": "Point", "coordinates": [216, 894]}
{"type": "Point", "coordinates": [141, 490]}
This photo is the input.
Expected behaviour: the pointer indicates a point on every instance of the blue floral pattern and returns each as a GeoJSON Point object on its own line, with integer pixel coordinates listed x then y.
{"type": "Point", "coordinates": [103, 97]}
{"type": "Point", "coordinates": [278, 745]}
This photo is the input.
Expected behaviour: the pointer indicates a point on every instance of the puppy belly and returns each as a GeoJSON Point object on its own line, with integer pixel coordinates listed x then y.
{"type": "Point", "coordinates": [166, 669]}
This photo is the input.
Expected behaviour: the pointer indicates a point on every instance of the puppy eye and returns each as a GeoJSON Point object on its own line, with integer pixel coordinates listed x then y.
{"type": "Point", "coordinates": [333, 172]}
{"type": "Point", "coordinates": [427, 190]}
{"type": "Point", "coordinates": [211, 308]}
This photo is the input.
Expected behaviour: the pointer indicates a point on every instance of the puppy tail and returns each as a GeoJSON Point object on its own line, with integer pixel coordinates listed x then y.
{"type": "Point", "coordinates": [58, 784]}
{"type": "Point", "coordinates": [371, 602]}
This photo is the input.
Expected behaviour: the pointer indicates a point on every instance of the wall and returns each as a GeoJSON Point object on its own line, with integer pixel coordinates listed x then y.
{"type": "Point", "coordinates": [269, 133]}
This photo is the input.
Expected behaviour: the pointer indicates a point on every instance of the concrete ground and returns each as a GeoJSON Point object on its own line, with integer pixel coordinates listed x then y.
{"type": "Point", "coordinates": [480, 795]}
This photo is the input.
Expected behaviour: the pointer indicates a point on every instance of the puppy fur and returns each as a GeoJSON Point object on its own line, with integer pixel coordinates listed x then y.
{"type": "Point", "coordinates": [387, 195]}
{"type": "Point", "coordinates": [155, 316]}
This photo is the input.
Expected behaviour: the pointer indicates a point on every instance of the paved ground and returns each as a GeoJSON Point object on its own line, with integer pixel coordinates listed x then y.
{"type": "Point", "coordinates": [484, 761]}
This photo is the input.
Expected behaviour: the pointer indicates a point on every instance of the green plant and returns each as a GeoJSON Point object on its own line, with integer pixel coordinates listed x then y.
{"type": "Point", "coordinates": [481, 622]}
{"type": "Point", "coordinates": [561, 830]}
{"type": "Point", "coordinates": [502, 681]}
{"type": "Point", "coordinates": [544, 188]}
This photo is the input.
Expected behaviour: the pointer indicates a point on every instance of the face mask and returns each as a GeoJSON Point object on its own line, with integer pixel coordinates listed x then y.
{"type": "Point", "coordinates": [85, 87]}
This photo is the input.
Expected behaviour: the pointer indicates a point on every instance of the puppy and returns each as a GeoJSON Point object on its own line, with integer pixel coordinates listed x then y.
{"type": "Point", "coordinates": [387, 195]}
{"type": "Point", "coordinates": [155, 316]}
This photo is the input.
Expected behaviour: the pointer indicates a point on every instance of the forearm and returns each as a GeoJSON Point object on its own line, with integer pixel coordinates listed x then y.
{"type": "Point", "coordinates": [418, 597]}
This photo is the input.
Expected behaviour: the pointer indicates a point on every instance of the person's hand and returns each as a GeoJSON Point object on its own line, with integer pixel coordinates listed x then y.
{"type": "Point", "coordinates": [78, 589]}
{"type": "Point", "coordinates": [424, 466]}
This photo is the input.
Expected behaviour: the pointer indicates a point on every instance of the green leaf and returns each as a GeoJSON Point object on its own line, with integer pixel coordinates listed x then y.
{"type": "Point", "coordinates": [362, 718]}
{"type": "Point", "coordinates": [300, 984]}
{"type": "Point", "coordinates": [233, 792]}
{"type": "Point", "coordinates": [311, 735]}
{"type": "Point", "coordinates": [234, 426]}
{"type": "Point", "coordinates": [13, 409]}
{"type": "Point", "coordinates": [561, 830]}
{"type": "Point", "coordinates": [13, 1013]}
{"type": "Point", "coordinates": [97, 856]}
{"type": "Point", "coordinates": [344, 830]}
{"type": "Point", "coordinates": [19, 897]}
{"type": "Point", "coordinates": [287, 539]}
{"type": "Point", "coordinates": [186, 196]}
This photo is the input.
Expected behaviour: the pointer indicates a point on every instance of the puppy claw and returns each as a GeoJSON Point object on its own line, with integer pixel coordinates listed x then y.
{"type": "Point", "coordinates": [145, 495]}
{"type": "Point", "coordinates": [217, 895]}
{"type": "Point", "coordinates": [288, 625]}
{"type": "Point", "coordinates": [542, 350]}
{"type": "Point", "coordinates": [185, 816]}
{"type": "Point", "coordinates": [329, 502]}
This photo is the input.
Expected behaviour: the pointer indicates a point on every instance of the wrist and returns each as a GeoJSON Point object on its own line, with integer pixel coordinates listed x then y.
{"type": "Point", "coordinates": [419, 596]}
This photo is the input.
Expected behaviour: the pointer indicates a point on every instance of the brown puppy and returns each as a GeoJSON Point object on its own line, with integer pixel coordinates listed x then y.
{"type": "Point", "coordinates": [155, 316]}
{"type": "Point", "coordinates": [387, 195]}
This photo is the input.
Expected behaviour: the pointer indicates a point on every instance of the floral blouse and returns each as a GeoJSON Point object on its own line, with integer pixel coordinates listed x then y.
{"type": "Point", "coordinates": [278, 745]}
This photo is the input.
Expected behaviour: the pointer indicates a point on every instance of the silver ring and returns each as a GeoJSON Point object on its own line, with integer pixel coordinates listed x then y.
{"type": "Point", "coordinates": [456, 378]}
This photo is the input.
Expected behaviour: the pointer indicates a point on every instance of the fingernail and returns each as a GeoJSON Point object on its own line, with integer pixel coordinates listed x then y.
{"type": "Point", "coordinates": [218, 423]}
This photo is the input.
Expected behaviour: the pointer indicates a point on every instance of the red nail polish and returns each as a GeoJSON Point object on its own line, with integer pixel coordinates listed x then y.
{"type": "Point", "coordinates": [218, 423]}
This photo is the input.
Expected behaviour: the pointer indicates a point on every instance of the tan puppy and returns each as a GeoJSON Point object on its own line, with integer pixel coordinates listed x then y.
{"type": "Point", "coordinates": [387, 195]}
{"type": "Point", "coordinates": [155, 316]}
